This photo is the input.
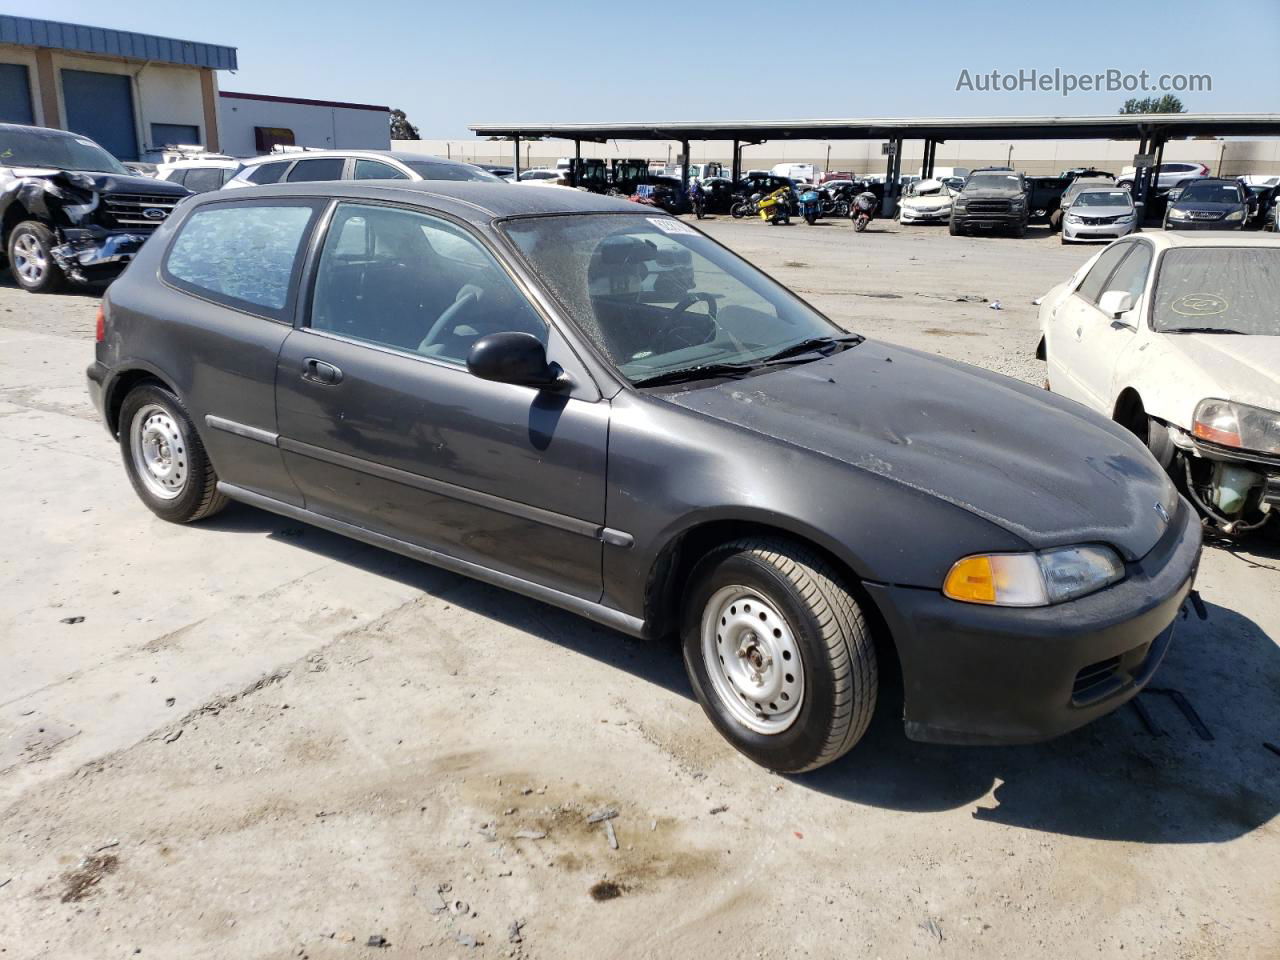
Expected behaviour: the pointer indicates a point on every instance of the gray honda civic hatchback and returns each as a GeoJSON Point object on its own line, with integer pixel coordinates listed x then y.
{"type": "Point", "coordinates": [593, 404]}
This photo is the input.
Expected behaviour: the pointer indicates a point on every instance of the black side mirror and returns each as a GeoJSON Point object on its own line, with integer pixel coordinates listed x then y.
{"type": "Point", "coordinates": [518, 358]}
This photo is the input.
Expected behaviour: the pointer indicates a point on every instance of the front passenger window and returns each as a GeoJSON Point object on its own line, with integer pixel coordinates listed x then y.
{"type": "Point", "coordinates": [413, 282]}
{"type": "Point", "coordinates": [1131, 276]}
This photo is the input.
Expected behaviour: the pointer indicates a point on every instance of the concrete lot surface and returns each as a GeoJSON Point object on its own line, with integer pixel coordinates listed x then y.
{"type": "Point", "coordinates": [265, 741]}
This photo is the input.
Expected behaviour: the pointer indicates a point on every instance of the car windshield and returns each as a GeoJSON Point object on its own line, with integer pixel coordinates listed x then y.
{"type": "Point", "coordinates": [659, 298]}
{"type": "Point", "coordinates": [1201, 192]}
{"type": "Point", "coordinates": [432, 170]}
{"type": "Point", "coordinates": [994, 181]}
{"type": "Point", "coordinates": [49, 148]}
{"type": "Point", "coordinates": [1218, 290]}
{"type": "Point", "coordinates": [1104, 198]}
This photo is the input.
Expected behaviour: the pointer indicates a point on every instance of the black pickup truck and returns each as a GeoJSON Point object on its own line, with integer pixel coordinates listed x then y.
{"type": "Point", "coordinates": [71, 211]}
{"type": "Point", "coordinates": [992, 199]}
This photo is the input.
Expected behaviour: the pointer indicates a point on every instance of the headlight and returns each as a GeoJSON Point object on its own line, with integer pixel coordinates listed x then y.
{"type": "Point", "coordinates": [1127, 218]}
{"type": "Point", "coordinates": [1072, 218]}
{"type": "Point", "coordinates": [1033, 579]}
{"type": "Point", "coordinates": [1177, 214]}
{"type": "Point", "coordinates": [1237, 425]}
{"type": "Point", "coordinates": [1235, 215]}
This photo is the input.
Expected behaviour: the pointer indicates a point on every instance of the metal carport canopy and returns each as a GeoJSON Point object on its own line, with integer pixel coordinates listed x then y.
{"type": "Point", "coordinates": [1165, 126]}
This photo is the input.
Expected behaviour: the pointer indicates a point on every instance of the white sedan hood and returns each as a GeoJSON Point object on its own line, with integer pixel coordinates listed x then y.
{"type": "Point", "coordinates": [1179, 370]}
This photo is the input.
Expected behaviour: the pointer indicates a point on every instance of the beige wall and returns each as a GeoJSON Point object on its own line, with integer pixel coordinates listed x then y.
{"type": "Point", "coordinates": [162, 93]}
{"type": "Point", "coordinates": [1033, 157]}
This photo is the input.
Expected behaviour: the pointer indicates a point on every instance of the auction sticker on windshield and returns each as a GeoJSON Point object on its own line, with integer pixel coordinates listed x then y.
{"type": "Point", "coordinates": [1198, 305]}
{"type": "Point", "coordinates": [669, 225]}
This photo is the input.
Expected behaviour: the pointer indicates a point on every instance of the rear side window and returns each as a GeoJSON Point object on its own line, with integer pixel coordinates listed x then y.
{"type": "Point", "coordinates": [377, 170]}
{"type": "Point", "coordinates": [244, 255]}
{"type": "Point", "coordinates": [203, 179]}
{"type": "Point", "coordinates": [321, 168]}
{"type": "Point", "coordinates": [267, 172]}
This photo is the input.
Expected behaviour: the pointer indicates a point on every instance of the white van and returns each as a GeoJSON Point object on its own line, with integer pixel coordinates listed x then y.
{"type": "Point", "coordinates": [797, 171]}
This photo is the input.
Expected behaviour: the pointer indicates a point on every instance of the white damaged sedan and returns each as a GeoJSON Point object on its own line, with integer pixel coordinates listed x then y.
{"type": "Point", "coordinates": [1177, 337]}
{"type": "Point", "coordinates": [927, 201]}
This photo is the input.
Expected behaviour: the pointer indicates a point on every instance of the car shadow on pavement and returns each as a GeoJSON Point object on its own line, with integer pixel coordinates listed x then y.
{"type": "Point", "coordinates": [1114, 779]}
{"type": "Point", "coordinates": [1117, 778]}
{"type": "Point", "coordinates": [656, 662]}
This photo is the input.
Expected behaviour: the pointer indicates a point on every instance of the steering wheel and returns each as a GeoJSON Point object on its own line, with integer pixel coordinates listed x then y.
{"type": "Point", "coordinates": [689, 333]}
{"type": "Point", "coordinates": [468, 297]}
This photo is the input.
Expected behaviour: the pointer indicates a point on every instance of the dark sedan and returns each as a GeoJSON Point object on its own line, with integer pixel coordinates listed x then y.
{"type": "Point", "coordinates": [590, 402]}
{"type": "Point", "coordinates": [1208, 204]}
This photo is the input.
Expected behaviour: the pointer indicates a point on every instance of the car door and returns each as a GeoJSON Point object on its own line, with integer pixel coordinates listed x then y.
{"type": "Point", "coordinates": [1105, 340]}
{"type": "Point", "coordinates": [382, 425]}
{"type": "Point", "coordinates": [1074, 327]}
{"type": "Point", "coordinates": [216, 325]}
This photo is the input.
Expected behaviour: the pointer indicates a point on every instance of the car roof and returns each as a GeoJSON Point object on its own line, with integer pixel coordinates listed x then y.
{"type": "Point", "coordinates": [30, 126]}
{"type": "Point", "coordinates": [474, 201]}
{"type": "Point", "coordinates": [401, 155]}
{"type": "Point", "coordinates": [1211, 238]}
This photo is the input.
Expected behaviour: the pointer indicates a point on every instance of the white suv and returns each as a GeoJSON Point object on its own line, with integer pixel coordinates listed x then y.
{"type": "Point", "coordinates": [314, 165]}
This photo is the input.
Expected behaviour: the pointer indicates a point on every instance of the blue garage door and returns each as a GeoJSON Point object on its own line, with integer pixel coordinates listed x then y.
{"type": "Point", "coordinates": [15, 94]}
{"type": "Point", "coordinates": [100, 106]}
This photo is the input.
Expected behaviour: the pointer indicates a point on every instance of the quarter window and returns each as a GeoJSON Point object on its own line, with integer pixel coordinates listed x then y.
{"type": "Point", "coordinates": [406, 280]}
{"type": "Point", "coordinates": [321, 168]}
{"type": "Point", "coordinates": [244, 255]}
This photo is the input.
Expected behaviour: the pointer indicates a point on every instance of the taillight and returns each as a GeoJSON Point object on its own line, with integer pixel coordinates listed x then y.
{"type": "Point", "coordinates": [100, 332]}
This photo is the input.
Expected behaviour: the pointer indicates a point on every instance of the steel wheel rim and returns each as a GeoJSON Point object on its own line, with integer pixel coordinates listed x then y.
{"type": "Point", "coordinates": [159, 452]}
{"type": "Point", "coordinates": [29, 258]}
{"type": "Point", "coordinates": [752, 660]}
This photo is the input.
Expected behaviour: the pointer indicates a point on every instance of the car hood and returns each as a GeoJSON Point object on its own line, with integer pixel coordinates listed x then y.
{"type": "Point", "coordinates": [987, 193]}
{"type": "Point", "coordinates": [106, 182]}
{"type": "Point", "coordinates": [1040, 466]}
{"type": "Point", "coordinates": [929, 200]}
{"type": "Point", "coordinates": [1189, 367]}
{"type": "Point", "coordinates": [1116, 211]}
{"type": "Point", "coordinates": [1206, 207]}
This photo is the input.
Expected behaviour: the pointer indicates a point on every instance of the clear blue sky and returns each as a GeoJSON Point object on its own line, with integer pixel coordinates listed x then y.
{"type": "Point", "coordinates": [454, 63]}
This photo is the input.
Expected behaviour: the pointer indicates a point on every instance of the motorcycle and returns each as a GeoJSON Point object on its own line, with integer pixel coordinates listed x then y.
{"type": "Point", "coordinates": [776, 207]}
{"type": "Point", "coordinates": [697, 199]}
{"type": "Point", "coordinates": [810, 205]}
{"type": "Point", "coordinates": [862, 210]}
{"type": "Point", "coordinates": [744, 206]}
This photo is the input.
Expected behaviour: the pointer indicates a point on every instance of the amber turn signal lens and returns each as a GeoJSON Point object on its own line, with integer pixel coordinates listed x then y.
{"type": "Point", "coordinates": [971, 579]}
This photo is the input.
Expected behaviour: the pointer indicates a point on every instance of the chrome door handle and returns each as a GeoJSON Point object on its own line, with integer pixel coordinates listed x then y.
{"type": "Point", "coordinates": [318, 371]}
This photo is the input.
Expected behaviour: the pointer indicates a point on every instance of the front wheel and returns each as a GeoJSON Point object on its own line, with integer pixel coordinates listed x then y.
{"type": "Point", "coordinates": [779, 654]}
{"type": "Point", "coordinates": [953, 229]}
{"type": "Point", "coordinates": [165, 458]}
{"type": "Point", "coordinates": [31, 260]}
{"type": "Point", "coordinates": [737, 211]}
{"type": "Point", "coordinates": [861, 223]}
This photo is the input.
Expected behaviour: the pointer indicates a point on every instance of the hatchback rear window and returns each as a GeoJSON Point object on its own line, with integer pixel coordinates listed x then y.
{"type": "Point", "coordinates": [243, 255]}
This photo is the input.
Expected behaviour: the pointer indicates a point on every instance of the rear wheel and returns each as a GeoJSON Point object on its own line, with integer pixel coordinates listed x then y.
{"type": "Point", "coordinates": [164, 457]}
{"type": "Point", "coordinates": [810, 218]}
{"type": "Point", "coordinates": [31, 261]}
{"type": "Point", "coordinates": [779, 654]}
{"type": "Point", "coordinates": [737, 211]}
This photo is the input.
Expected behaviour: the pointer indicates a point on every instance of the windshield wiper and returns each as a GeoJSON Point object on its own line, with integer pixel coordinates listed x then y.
{"type": "Point", "coordinates": [812, 345]}
{"type": "Point", "coordinates": [1205, 330]}
{"type": "Point", "coordinates": [703, 371]}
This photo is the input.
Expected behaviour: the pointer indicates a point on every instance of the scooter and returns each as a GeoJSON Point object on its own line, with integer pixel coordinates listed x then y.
{"type": "Point", "coordinates": [776, 207]}
{"type": "Point", "coordinates": [862, 210]}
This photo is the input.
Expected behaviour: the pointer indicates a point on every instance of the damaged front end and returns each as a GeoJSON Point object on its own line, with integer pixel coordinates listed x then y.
{"type": "Point", "coordinates": [1231, 464]}
{"type": "Point", "coordinates": [98, 221]}
{"type": "Point", "coordinates": [85, 256]}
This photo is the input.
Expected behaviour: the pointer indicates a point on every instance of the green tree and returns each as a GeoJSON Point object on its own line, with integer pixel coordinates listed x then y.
{"type": "Point", "coordinates": [1166, 104]}
{"type": "Point", "coordinates": [401, 128]}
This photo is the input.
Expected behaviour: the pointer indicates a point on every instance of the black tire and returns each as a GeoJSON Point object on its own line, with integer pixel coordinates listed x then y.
{"type": "Point", "coordinates": [736, 211]}
{"type": "Point", "coordinates": [953, 229]}
{"type": "Point", "coordinates": [1019, 231]}
{"type": "Point", "coordinates": [198, 496]}
{"type": "Point", "coordinates": [860, 224]}
{"type": "Point", "coordinates": [34, 236]}
{"type": "Point", "coordinates": [828, 631]}
{"type": "Point", "coordinates": [811, 218]}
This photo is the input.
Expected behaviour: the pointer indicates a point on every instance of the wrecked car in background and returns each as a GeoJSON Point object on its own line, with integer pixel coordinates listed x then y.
{"type": "Point", "coordinates": [71, 211]}
{"type": "Point", "coordinates": [928, 201]}
{"type": "Point", "coordinates": [1177, 338]}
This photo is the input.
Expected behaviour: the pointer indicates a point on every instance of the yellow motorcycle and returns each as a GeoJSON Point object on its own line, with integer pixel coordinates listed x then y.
{"type": "Point", "coordinates": [776, 207]}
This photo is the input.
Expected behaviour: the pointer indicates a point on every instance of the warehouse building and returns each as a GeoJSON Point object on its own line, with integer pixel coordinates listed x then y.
{"type": "Point", "coordinates": [253, 123]}
{"type": "Point", "coordinates": [136, 94]}
{"type": "Point", "coordinates": [131, 92]}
